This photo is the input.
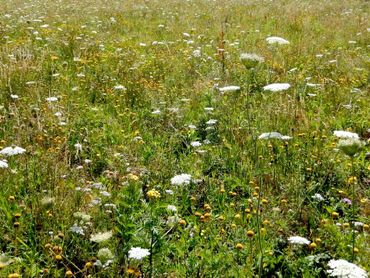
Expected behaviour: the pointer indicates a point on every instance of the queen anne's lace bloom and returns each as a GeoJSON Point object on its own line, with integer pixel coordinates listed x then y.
{"type": "Point", "coordinates": [350, 146]}
{"type": "Point", "coordinates": [345, 134]}
{"type": "Point", "coordinates": [299, 240]}
{"type": "Point", "coordinates": [344, 269]}
{"type": "Point", "coordinates": [274, 135]}
{"type": "Point", "coordinates": [276, 40]}
{"type": "Point", "coordinates": [3, 164]}
{"type": "Point", "coordinates": [138, 253]}
{"type": "Point", "coordinates": [100, 237]}
{"type": "Point", "coordinates": [10, 151]}
{"type": "Point", "coordinates": [229, 89]}
{"type": "Point", "coordinates": [276, 87]}
{"type": "Point", "coordinates": [181, 179]}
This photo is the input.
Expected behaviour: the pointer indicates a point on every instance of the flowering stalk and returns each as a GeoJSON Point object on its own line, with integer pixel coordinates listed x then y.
{"type": "Point", "coordinates": [353, 211]}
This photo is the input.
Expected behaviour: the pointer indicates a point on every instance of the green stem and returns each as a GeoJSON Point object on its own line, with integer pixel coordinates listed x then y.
{"type": "Point", "coordinates": [353, 211]}
{"type": "Point", "coordinates": [259, 232]}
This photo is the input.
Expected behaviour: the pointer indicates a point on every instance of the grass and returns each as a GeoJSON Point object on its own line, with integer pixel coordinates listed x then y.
{"type": "Point", "coordinates": [99, 159]}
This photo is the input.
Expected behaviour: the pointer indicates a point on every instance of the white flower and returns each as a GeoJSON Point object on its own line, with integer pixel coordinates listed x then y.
{"type": "Point", "coordinates": [350, 146]}
{"type": "Point", "coordinates": [156, 112]}
{"type": "Point", "coordinates": [169, 191]}
{"type": "Point", "coordinates": [252, 57]}
{"type": "Point", "coordinates": [181, 179]}
{"type": "Point", "coordinates": [345, 134]}
{"type": "Point", "coordinates": [138, 253]}
{"type": "Point", "coordinates": [105, 254]}
{"type": "Point", "coordinates": [318, 197]}
{"type": "Point", "coordinates": [119, 87]}
{"type": "Point", "coordinates": [77, 229]}
{"type": "Point", "coordinates": [172, 208]}
{"type": "Point", "coordinates": [211, 122]}
{"type": "Point", "coordinates": [105, 193]}
{"type": "Point", "coordinates": [51, 99]}
{"type": "Point", "coordinates": [14, 96]}
{"type": "Point", "coordinates": [10, 151]}
{"type": "Point", "coordinates": [3, 164]}
{"type": "Point", "coordinates": [274, 135]}
{"type": "Point", "coordinates": [276, 40]}
{"type": "Point", "coordinates": [100, 237]}
{"type": "Point", "coordinates": [229, 89]}
{"type": "Point", "coordinates": [197, 53]}
{"type": "Point", "coordinates": [276, 87]}
{"type": "Point", "coordinates": [83, 216]}
{"type": "Point", "coordinates": [298, 240]}
{"type": "Point", "coordinates": [78, 147]}
{"type": "Point", "coordinates": [195, 144]}
{"type": "Point", "coordinates": [269, 135]}
{"type": "Point", "coordinates": [344, 269]}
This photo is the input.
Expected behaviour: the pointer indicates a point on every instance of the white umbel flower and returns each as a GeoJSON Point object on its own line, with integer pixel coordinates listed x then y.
{"type": "Point", "coordinates": [277, 40]}
{"type": "Point", "coordinates": [229, 89]}
{"type": "Point", "coordinates": [100, 237]}
{"type": "Point", "coordinates": [195, 144]}
{"type": "Point", "coordinates": [274, 135]}
{"type": "Point", "coordinates": [138, 253]}
{"type": "Point", "coordinates": [345, 134]}
{"type": "Point", "coordinates": [104, 254]}
{"type": "Point", "coordinates": [119, 88]}
{"type": "Point", "coordinates": [181, 179]}
{"type": "Point", "coordinates": [318, 197]}
{"type": "Point", "coordinates": [51, 99]}
{"type": "Point", "coordinates": [299, 240]}
{"type": "Point", "coordinates": [3, 164]}
{"type": "Point", "coordinates": [172, 208]}
{"type": "Point", "coordinates": [350, 146]}
{"type": "Point", "coordinates": [276, 87]}
{"type": "Point", "coordinates": [344, 269]}
{"type": "Point", "coordinates": [77, 229]}
{"type": "Point", "coordinates": [252, 57]}
{"type": "Point", "coordinates": [10, 151]}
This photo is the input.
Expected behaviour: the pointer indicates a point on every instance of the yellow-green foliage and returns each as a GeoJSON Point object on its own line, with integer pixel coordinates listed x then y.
{"type": "Point", "coordinates": [112, 100]}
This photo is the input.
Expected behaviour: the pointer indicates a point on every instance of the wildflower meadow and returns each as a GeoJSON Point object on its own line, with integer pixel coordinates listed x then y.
{"type": "Point", "coordinates": [192, 138]}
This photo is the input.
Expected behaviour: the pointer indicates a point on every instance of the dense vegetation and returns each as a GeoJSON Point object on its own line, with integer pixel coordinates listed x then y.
{"type": "Point", "coordinates": [149, 124]}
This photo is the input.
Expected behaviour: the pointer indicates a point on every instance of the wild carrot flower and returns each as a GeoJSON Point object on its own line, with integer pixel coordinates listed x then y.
{"type": "Point", "coordinates": [181, 179]}
{"type": "Point", "coordinates": [276, 87]}
{"type": "Point", "coordinates": [10, 151]}
{"type": "Point", "coordinates": [350, 146]}
{"type": "Point", "coordinates": [276, 40]}
{"type": "Point", "coordinates": [298, 240]}
{"type": "Point", "coordinates": [3, 164]}
{"type": "Point", "coordinates": [101, 237]}
{"type": "Point", "coordinates": [344, 269]}
{"type": "Point", "coordinates": [345, 134]}
{"type": "Point", "coordinates": [229, 89]}
{"type": "Point", "coordinates": [138, 253]}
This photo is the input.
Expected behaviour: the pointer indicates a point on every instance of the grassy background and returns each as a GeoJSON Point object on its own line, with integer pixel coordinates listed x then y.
{"type": "Point", "coordinates": [89, 47]}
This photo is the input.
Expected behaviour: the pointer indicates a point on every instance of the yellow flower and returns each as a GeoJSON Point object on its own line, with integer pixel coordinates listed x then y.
{"type": "Point", "coordinates": [182, 222]}
{"type": "Point", "coordinates": [250, 233]}
{"type": "Point", "coordinates": [312, 246]}
{"type": "Point", "coordinates": [239, 246]}
{"type": "Point", "coordinates": [352, 180]}
{"type": "Point", "coordinates": [153, 194]}
{"type": "Point", "coordinates": [132, 177]}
